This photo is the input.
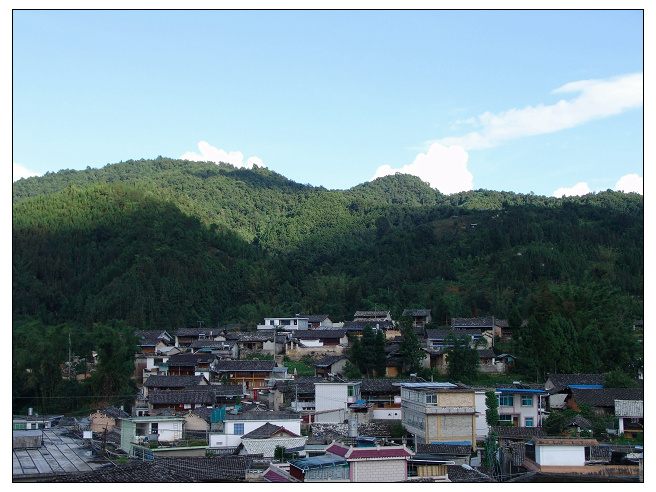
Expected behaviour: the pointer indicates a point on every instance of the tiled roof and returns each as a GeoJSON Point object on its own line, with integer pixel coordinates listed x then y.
{"type": "Point", "coordinates": [210, 344]}
{"type": "Point", "coordinates": [564, 441]}
{"type": "Point", "coordinates": [132, 471]}
{"type": "Point", "coordinates": [113, 412]}
{"type": "Point", "coordinates": [359, 325]}
{"type": "Point", "coordinates": [244, 365]}
{"type": "Point", "coordinates": [266, 431]}
{"type": "Point", "coordinates": [388, 386]}
{"type": "Point", "coordinates": [508, 432]}
{"type": "Point", "coordinates": [277, 475]}
{"type": "Point", "coordinates": [228, 389]}
{"type": "Point", "coordinates": [259, 336]}
{"type": "Point", "coordinates": [149, 337]}
{"type": "Point", "coordinates": [442, 334]}
{"type": "Point", "coordinates": [195, 332]}
{"type": "Point", "coordinates": [187, 359]}
{"type": "Point", "coordinates": [576, 379]}
{"type": "Point", "coordinates": [329, 360]}
{"type": "Point", "coordinates": [579, 421]}
{"type": "Point", "coordinates": [316, 318]}
{"type": "Point", "coordinates": [444, 449]}
{"type": "Point", "coordinates": [462, 474]}
{"type": "Point", "coordinates": [304, 384]}
{"type": "Point", "coordinates": [368, 452]}
{"type": "Point", "coordinates": [472, 322]}
{"type": "Point", "coordinates": [172, 381]}
{"type": "Point", "coordinates": [416, 312]}
{"type": "Point", "coordinates": [486, 354]}
{"type": "Point", "coordinates": [264, 415]}
{"type": "Point", "coordinates": [605, 397]}
{"type": "Point", "coordinates": [371, 314]}
{"type": "Point", "coordinates": [318, 334]}
{"type": "Point", "coordinates": [179, 397]}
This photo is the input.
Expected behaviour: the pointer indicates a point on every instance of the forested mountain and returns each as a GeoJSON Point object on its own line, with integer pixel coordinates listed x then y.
{"type": "Point", "coordinates": [165, 243]}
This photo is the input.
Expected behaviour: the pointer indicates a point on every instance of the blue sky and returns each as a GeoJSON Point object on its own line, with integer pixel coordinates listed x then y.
{"type": "Point", "coordinates": [548, 102]}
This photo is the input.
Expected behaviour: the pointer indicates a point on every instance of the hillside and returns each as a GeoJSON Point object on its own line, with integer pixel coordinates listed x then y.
{"type": "Point", "coordinates": [162, 244]}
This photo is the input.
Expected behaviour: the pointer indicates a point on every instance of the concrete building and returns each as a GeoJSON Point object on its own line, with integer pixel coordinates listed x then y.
{"type": "Point", "coordinates": [439, 413]}
{"type": "Point", "coordinates": [332, 400]}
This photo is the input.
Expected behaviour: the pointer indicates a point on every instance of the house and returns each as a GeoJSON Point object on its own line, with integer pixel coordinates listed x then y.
{"type": "Point", "coordinates": [285, 324]}
{"type": "Point", "coordinates": [332, 400]}
{"type": "Point", "coordinates": [106, 419]}
{"type": "Point", "coordinates": [153, 363]}
{"type": "Point", "coordinates": [254, 375]}
{"type": "Point", "coordinates": [439, 413]}
{"type": "Point", "coordinates": [189, 364]}
{"type": "Point", "coordinates": [480, 398]}
{"type": "Point", "coordinates": [354, 464]}
{"type": "Point", "coordinates": [508, 434]}
{"type": "Point", "coordinates": [173, 383]}
{"type": "Point", "coordinates": [456, 453]}
{"type": "Point", "coordinates": [276, 474]}
{"type": "Point", "coordinates": [521, 405]}
{"type": "Point", "coordinates": [488, 363]}
{"type": "Point", "coordinates": [297, 393]}
{"type": "Point", "coordinates": [354, 328]}
{"type": "Point", "coordinates": [180, 400]}
{"type": "Point", "coordinates": [437, 341]}
{"type": "Point", "coordinates": [138, 432]}
{"type": "Point", "coordinates": [221, 349]}
{"type": "Point", "coordinates": [372, 316]}
{"type": "Point", "coordinates": [630, 415]}
{"type": "Point", "coordinates": [420, 317]}
{"type": "Point", "coordinates": [150, 341]}
{"type": "Point", "coordinates": [234, 424]}
{"type": "Point", "coordinates": [602, 400]}
{"type": "Point", "coordinates": [561, 455]}
{"type": "Point", "coordinates": [265, 439]}
{"type": "Point", "coordinates": [33, 421]}
{"type": "Point", "coordinates": [485, 325]}
{"type": "Point", "coordinates": [504, 331]}
{"type": "Point", "coordinates": [576, 425]}
{"type": "Point", "coordinates": [318, 321]}
{"type": "Point", "coordinates": [249, 343]}
{"type": "Point", "coordinates": [313, 342]}
{"type": "Point", "coordinates": [557, 385]}
{"type": "Point", "coordinates": [384, 395]}
{"type": "Point", "coordinates": [329, 365]}
{"type": "Point", "coordinates": [184, 337]}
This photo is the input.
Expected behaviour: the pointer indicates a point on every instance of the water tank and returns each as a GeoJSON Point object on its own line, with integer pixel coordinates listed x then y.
{"type": "Point", "coordinates": [353, 428]}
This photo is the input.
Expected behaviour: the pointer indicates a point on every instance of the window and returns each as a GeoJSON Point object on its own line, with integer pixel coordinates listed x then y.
{"type": "Point", "coordinates": [350, 391]}
{"type": "Point", "coordinates": [529, 421]}
{"type": "Point", "coordinates": [153, 428]}
{"type": "Point", "coordinates": [431, 398]}
{"type": "Point", "coordinates": [239, 429]}
{"type": "Point", "coordinates": [527, 400]}
{"type": "Point", "coordinates": [505, 400]}
{"type": "Point", "coordinates": [505, 418]}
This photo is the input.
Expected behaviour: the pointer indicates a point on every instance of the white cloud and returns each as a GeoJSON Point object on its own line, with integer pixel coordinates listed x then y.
{"type": "Point", "coordinates": [444, 168]}
{"type": "Point", "coordinates": [19, 172]}
{"type": "Point", "coordinates": [212, 154]}
{"type": "Point", "coordinates": [597, 99]}
{"type": "Point", "coordinates": [630, 183]}
{"type": "Point", "coordinates": [578, 189]}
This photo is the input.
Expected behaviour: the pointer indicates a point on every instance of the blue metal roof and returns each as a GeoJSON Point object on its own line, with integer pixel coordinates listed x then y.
{"type": "Point", "coordinates": [585, 386]}
{"type": "Point", "coordinates": [319, 461]}
{"type": "Point", "coordinates": [521, 390]}
{"type": "Point", "coordinates": [453, 443]}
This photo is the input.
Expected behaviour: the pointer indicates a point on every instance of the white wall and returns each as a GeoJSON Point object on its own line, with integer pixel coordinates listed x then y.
{"type": "Point", "coordinates": [387, 414]}
{"type": "Point", "coordinates": [560, 455]}
{"type": "Point", "coordinates": [229, 438]}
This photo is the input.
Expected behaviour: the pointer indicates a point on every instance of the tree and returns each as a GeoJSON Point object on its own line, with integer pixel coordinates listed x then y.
{"type": "Point", "coordinates": [492, 406]}
{"type": "Point", "coordinates": [461, 358]}
{"type": "Point", "coordinates": [410, 348]}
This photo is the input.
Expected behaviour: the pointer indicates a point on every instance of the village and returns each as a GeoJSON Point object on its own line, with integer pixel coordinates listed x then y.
{"type": "Point", "coordinates": [224, 405]}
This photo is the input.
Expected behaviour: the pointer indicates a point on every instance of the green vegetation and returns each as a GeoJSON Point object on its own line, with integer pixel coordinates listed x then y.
{"type": "Point", "coordinates": [163, 243]}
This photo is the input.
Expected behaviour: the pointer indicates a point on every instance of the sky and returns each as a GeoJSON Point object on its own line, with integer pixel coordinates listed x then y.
{"type": "Point", "coordinates": [541, 101]}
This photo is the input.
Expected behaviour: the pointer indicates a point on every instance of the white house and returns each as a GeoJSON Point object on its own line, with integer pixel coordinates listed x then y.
{"type": "Point", "coordinates": [237, 425]}
{"type": "Point", "coordinates": [522, 405]}
{"type": "Point", "coordinates": [142, 430]}
{"type": "Point", "coordinates": [285, 324]}
{"type": "Point", "coordinates": [482, 427]}
{"type": "Point", "coordinates": [561, 452]}
{"type": "Point", "coordinates": [331, 400]}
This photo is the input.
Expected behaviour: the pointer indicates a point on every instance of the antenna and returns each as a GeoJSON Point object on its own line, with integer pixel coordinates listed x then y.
{"type": "Point", "coordinates": [200, 324]}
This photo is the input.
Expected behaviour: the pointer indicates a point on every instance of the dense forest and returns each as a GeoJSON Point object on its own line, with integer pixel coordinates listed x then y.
{"type": "Point", "coordinates": [164, 243]}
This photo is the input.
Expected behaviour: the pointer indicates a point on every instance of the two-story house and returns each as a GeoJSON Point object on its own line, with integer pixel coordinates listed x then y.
{"type": "Point", "coordinates": [234, 424]}
{"type": "Point", "coordinates": [439, 413]}
{"type": "Point", "coordinates": [333, 398]}
{"type": "Point", "coordinates": [254, 375]}
{"type": "Point", "coordinates": [285, 324]}
{"type": "Point", "coordinates": [521, 405]}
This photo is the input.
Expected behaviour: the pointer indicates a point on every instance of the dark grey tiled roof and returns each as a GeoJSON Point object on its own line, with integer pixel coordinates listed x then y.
{"type": "Point", "coordinates": [179, 397]}
{"type": "Point", "coordinates": [196, 332]}
{"type": "Point", "coordinates": [576, 379]}
{"type": "Point", "coordinates": [251, 336]}
{"type": "Point", "coordinates": [132, 471]}
{"type": "Point", "coordinates": [442, 334]}
{"type": "Point", "coordinates": [267, 430]}
{"type": "Point", "coordinates": [486, 354]}
{"type": "Point", "coordinates": [187, 359]}
{"type": "Point", "coordinates": [458, 473]}
{"type": "Point", "coordinates": [244, 365]}
{"type": "Point", "coordinates": [605, 397]}
{"type": "Point", "coordinates": [508, 432]}
{"type": "Point", "coordinates": [472, 322]}
{"type": "Point", "coordinates": [416, 312]}
{"type": "Point", "coordinates": [305, 385]}
{"type": "Point", "coordinates": [387, 386]}
{"type": "Point", "coordinates": [172, 381]}
{"type": "Point", "coordinates": [359, 325]}
{"type": "Point", "coordinates": [316, 318]}
{"type": "Point", "coordinates": [149, 337]}
{"type": "Point", "coordinates": [264, 415]}
{"type": "Point", "coordinates": [329, 360]}
{"type": "Point", "coordinates": [114, 412]}
{"type": "Point", "coordinates": [210, 344]}
{"type": "Point", "coordinates": [444, 449]}
{"type": "Point", "coordinates": [579, 421]}
{"type": "Point", "coordinates": [318, 334]}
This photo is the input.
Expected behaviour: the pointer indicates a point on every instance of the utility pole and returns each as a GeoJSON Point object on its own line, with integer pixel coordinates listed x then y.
{"type": "Point", "coordinates": [69, 355]}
